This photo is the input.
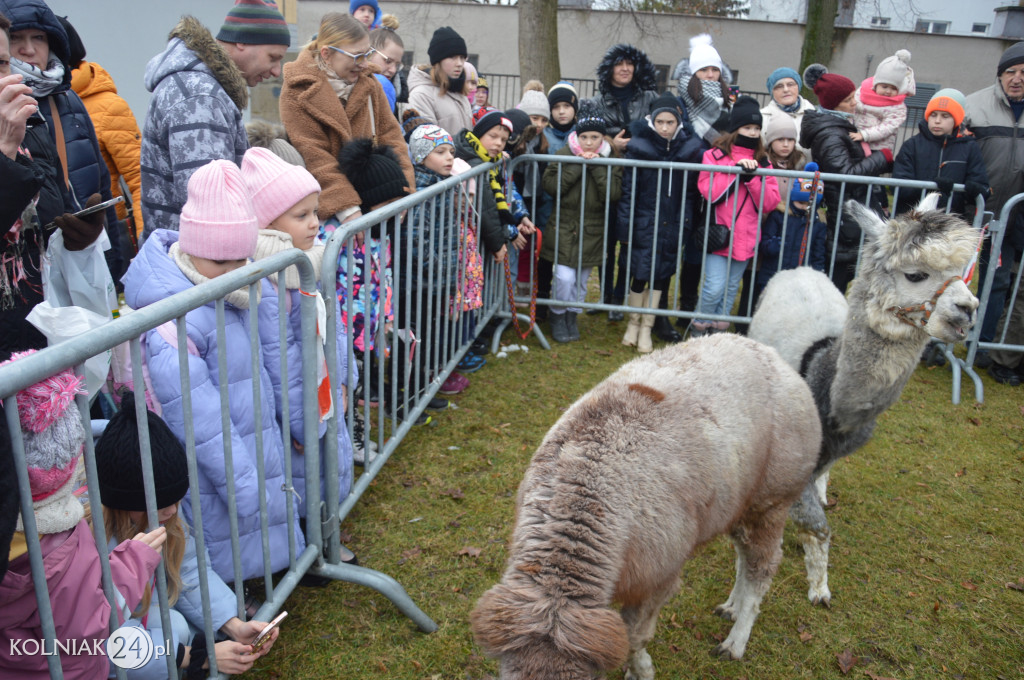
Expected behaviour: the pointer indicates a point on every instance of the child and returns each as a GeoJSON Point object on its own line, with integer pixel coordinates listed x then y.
{"type": "Point", "coordinates": [285, 199]}
{"type": "Point", "coordinates": [794, 236]}
{"type": "Point", "coordinates": [663, 139]}
{"type": "Point", "coordinates": [535, 104]}
{"type": "Point", "coordinates": [388, 49]}
{"type": "Point", "coordinates": [53, 439]}
{"type": "Point", "coordinates": [366, 12]}
{"type": "Point", "coordinates": [472, 80]}
{"type": "Point", "coordinates": [880, 107]}
{"type": "Point", "coordinates": [482, 94]}
{"type": "Point", "coordinates": [941, 153]}
{"type": "Point", "coordinates": [119, 472]}
{"type": "Point", "coordinates": [217, 234]}
{"type": "Point", "coordinates": [729, 195]}
{"type": "Point", "coordinates": [578, 251]}
{"type": "Point", "coordinates": [780, 134]}
{"type": "Point", "coordinates": [439, 249]}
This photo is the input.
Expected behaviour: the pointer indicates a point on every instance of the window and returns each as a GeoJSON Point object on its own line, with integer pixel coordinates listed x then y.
{"type": "Point", "coordinates": [979, 29]}
{"type": "Point", "coordinates": [925, 26]}
{"type": "Point", "coordinates": [880, 22]}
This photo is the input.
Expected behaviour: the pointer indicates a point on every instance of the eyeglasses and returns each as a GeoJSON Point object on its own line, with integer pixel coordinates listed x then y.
{"type": "Point", "coordinates": [388, 61]}
{"type": "Point", "coordinates": [361, 57]}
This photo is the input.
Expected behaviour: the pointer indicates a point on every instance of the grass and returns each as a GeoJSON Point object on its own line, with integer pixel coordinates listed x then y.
{"type": "Point", "coordinates": [926, 538]}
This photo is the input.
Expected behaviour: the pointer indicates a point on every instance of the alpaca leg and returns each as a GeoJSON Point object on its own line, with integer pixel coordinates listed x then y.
{"type": "Point", "coordinates": [821, 484]}
{"type": "Point", "coordinates": [809, 515]}
{"type": "Point", "coordinates": [641, 621]}
{"type": "Point", "coordinates": [727, 610]}
{"type": "Point", "coordinates": [760, 541]}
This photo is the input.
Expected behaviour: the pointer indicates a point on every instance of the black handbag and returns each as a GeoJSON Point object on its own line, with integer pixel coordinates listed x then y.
{"type": "Point", "coordinates": [713, 234]}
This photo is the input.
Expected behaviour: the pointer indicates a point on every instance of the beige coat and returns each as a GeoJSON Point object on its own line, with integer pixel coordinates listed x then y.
{"type": "Point", "coordinates": [452, 111]}
{"type": "Point", "coordinates": [318, 125]}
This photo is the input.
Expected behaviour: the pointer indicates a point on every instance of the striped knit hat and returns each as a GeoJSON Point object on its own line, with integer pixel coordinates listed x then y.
{"type": "Point", "coordinates": [255, 22]}
{"type": "Point", "coordinates": [274, 184]}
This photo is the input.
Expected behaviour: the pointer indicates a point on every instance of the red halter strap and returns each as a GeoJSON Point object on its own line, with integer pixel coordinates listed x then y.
{"type": "Point", "coordinates": [926, 308]}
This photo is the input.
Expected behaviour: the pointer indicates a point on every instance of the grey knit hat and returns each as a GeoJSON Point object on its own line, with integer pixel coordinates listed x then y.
{"type": "Point", "coordinates": [1013, 55]}
{"type": "Point", "coordinates": [780, 126]}
{"type": "Point", "coordinates": [534, 103]}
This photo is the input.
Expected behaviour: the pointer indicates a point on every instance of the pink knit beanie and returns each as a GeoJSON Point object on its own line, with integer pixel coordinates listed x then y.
{"type": "Point", "coordinates": [274, 184]}
{"type": "Point", "coordinates": [217, 221]}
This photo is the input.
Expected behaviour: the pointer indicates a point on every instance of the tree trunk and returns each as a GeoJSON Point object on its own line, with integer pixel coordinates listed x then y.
{"type": "Point", "coordinates": [538, 41]}
{"type": "Point", "coordinates": [819, 36]}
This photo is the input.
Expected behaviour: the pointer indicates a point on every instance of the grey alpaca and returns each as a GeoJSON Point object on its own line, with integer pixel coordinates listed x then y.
{"type": "Point", "coordinates": [858, 354]}
{"type": "Point", "coordinates": [714, 436]}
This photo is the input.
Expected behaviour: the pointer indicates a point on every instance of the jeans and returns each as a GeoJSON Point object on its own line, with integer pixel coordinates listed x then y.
{"type": "Point", "coordinates": [720, 271]}
{"type": "Point", "coordinates": [569, 287]}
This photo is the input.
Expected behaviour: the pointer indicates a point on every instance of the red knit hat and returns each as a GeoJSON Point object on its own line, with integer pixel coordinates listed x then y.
{"type": "Point", "coordinates": [830, 88]}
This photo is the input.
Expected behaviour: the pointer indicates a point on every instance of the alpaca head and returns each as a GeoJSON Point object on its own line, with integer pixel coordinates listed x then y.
{"type": "Point", "coordinates": [910, 268]}
{"type": "Point", "coordinates": [543, 638]}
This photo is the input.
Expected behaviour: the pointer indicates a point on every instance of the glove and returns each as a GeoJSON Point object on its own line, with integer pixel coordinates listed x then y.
{"type": "Point", "coordinates": [945, 184]}
{"type": "Point", "coordinates": [80, 232]}
{"type": "Point", "coordinates": [975, 189]}
{"type": "Point", "coordinates": [745, 174]}
{"type": "Point", "coordinates": [887, 154]}
{"type": "Point", "coordinates": [764, 162]}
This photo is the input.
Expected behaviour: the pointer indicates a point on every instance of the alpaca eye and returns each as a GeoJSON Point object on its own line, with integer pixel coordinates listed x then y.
{"type": "Point", "coordinates": [916, 277]}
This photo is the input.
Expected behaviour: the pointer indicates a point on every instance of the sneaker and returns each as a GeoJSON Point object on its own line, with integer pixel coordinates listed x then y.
{"type": "Point", "coordinates": [934, 354]}
{"type": "Point", "coordinates": [480, 346]}
{"type": "Point", "coordinates": [471, 363]}
{"type": "Point", "coordinates": [399, 416]}
{"type": "Point", "coordinates": [438, 404]}
{"type": "Point", "coordinates": [361, 397]}
{"type": "Point", "coordinates": [358, 436]}
{"type": "Point", "coordinates": [699, 330]}
{"type": "Point", "coordinates": [982, 359]}
{"type": "Point", "coordinates": [455, 384]}
{"type": "Point", "coordinates": [616, 315]}
{"type": "Point", "coordinates": [1004, 374]}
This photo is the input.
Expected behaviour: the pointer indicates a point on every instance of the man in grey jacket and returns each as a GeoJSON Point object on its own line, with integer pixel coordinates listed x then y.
{"type": "Point", "coordinates": [200, 87]}
{"type": "Point", "coordinates": [994, 116]}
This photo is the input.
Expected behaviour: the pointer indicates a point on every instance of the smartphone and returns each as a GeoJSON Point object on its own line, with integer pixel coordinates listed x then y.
{"type": "Point", "coordinates": [99, 207]}
{"type": "Point", "coordinates": [264, 635]}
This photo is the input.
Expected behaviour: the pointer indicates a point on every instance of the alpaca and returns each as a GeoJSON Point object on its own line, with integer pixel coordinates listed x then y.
{"type": "Point", "coordinates": [857, 355]}
{"type": "Point", "coordinates": [714, 436]}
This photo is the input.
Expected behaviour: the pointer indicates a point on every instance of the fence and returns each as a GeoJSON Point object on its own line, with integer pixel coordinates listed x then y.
{"type": "Point", "coordinates": [408, 351]}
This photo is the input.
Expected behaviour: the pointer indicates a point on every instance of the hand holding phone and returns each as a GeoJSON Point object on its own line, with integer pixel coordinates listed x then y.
{"type": "Point", "coordinates": [264, 635]}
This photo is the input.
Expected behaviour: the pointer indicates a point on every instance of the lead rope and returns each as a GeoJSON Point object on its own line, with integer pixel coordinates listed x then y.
{"type": "Point", "coordinates": [533, 292]}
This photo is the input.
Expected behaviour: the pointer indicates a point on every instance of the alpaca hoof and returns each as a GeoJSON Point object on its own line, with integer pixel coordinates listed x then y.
{"type": "Point", "coordinates": [725, 651]}
{"type": "Point", "coordinates": [640, 667]}
{"type": "Point", "coordinates": [820, 598]}
{"type": "Point", "coordinates": [725, 611]}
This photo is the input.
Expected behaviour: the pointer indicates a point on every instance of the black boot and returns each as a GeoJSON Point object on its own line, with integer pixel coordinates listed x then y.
{"type": "Point", "coordinates": [665, 331]}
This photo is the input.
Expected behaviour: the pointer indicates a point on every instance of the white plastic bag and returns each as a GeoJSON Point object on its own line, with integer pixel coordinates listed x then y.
{"type": "Point", "coordinates": [63, 323]}
{"type": "Point", "coordinates": [79, 278]}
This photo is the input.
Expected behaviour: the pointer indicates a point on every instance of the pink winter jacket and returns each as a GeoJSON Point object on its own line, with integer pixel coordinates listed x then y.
{"type": "Point", "coordinates": [733, 194]}
{"type": "Point", "coordinates": [878, 118]}
{"type": "Point", "coordinates": [81, 614]}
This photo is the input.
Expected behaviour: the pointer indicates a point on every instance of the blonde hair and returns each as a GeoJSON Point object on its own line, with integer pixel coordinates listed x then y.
{"type": "Point", "coordinates": [534, 85]}
{"type": "Point", "coordinates": [337, 29]}
{"type": "Point", "coordinates": [120, 526]}
{"type": "Point", "coordinates": [380, 37]}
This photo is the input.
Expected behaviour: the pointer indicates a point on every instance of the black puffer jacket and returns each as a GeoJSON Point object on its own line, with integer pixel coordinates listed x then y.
{"type": "Point", "coordinates": [828, 138]}
{"type": "Point", "coordinates": [645, 82]}
{"type": "Point", "coordinates": [926, 157]}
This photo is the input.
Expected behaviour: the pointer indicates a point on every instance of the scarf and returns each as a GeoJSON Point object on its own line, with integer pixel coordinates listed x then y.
{"type": "Point", "coordinates": [747, 142]}
{"type": "Point", "coordinates": [271, 242]}
{"type": "Point", "coordinates": [14, 254]}
{"type": "Point", "coordinates": [342, 88]}
{"type": "Point", "coordinates": [705, 113]}
{"type": "Point", "coordinates": [841, 115]}
{"type": "Point", "coordinates": [563, 128]}
{"type": "Point", "coordinates": [43, 83]}
{"type": "Point", "coordinates": [494, 177]}
{"type": "Point", "coordinates": [623, 95]}
{"type": "Point", "coordinates": [457, 85]}
{"type": "Point", "coordinates": [238, 299]}
{"type": "Point", "coordinates": [869, 97]}
{"type": "Point", "coordinates": [574, 146]}
{"type": "Point", "coordinates": [791, 108]}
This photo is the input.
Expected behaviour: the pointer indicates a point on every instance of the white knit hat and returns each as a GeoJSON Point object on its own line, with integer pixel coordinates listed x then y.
{"type": "Point", "coordinates": [896, 71]}
{"type": "Point", "coordinates": [703, 54]}
{"type": "Point", "coordinates": [535, 103]}
{"type": "Point", "coordinates": [218, 221]}
{"type": "Point", "coordinates": [274, 184]}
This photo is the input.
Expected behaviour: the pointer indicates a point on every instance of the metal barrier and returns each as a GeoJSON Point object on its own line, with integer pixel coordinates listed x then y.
{"type": "Point", "coordinates": [505, 89]}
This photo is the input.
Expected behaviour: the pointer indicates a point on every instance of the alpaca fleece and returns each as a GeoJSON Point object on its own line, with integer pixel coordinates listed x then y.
{"type": "Point", "coordinates": [714, 436]}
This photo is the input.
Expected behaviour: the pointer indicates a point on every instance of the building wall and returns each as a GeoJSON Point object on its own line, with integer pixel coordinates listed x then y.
{"type": "Point", "coordinates": [903, 15]}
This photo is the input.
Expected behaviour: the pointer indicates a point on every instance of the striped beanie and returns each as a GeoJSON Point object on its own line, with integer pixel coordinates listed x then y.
{"type": "Point", "coordinates": [255, 22]}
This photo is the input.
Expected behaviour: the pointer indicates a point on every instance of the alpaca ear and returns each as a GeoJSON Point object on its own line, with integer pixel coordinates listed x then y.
{"type": "Point", "coordinates": [929, 202]}
{"type": "Point", "coordinates": [866, 219]}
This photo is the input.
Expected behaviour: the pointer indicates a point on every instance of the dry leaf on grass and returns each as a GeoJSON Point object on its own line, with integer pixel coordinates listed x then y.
{"type": "Point", "coordinates": [471, 551]}
{"type": "Point", "coordinates": [968, 585]}
{"type": "Point", "coordinates": [454, 493]}
{"type": "Point", "coordinates": [1019, 585]}
{"type": "Point", "coordinates": [961, 472]}
{"type": "Point", "coordinates": [806, 637]}
{"type": "Point", "coordinates": [846, 661]}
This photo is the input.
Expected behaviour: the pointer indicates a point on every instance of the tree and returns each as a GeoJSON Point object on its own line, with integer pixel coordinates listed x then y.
{"type": "Point", "coordinates": [819, 35]}
{"type": "Point", "coordinates": [538, 41]}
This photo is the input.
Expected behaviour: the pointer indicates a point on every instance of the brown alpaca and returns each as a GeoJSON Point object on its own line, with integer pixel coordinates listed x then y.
{"type": "Point", "coordinates": [715, 436]}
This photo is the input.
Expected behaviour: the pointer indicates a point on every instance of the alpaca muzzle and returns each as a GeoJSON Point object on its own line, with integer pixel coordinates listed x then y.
{"type": "Point", "coordinates": [959, 317]}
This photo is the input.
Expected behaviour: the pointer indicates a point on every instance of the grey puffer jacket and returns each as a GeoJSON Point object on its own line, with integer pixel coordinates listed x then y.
{"type": "Point", "coordinates": [194, 117]}
{"type": "Point", "coordinates": [645, 83]}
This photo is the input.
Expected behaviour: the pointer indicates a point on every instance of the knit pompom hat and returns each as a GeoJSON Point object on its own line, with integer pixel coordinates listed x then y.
{"type": "Point", "coordinates": [446, 43]}
{"type": "Point", "coordinates": [255, 22]}
{"type": "Point", "coordinates": [803, 188]}
{"type": "Point", "coordinates": [830, 88]}
{"type": "Point", "coordinates": [783, 72]}
{"type": "Point", "coordinates": [481, 83]}
{"type": "Point", "coordinates": [374, 172]}
{"type": "Point", "coordinates": [53, 439]}
{"type": "Point", "coordinates": [895, 70]}
{"type": "Point", "coordinates": [425, 139]}
{"type": "Point", "coordinates": [590, 120]}
{"type": "Point", "coordinates": [703, 54]}
{"type": "Point", "coordinates": [490, 118]}
{"type": "Point", "coordinates": [535, 104]}
{"type": "Point", "coordinates": [411, 119]}
{"type": "Point", "coordinates": [746, 111]}
{"type": "Point", "coordinates": [780, 126]}
{"type": "Point", "coordinates": [563, 91]}
{"type": "Point", "coordinates": [218, 221]}
{"type": "Point", "coordinates": [274, 184]}
{"type": "Point", "coordinates": [119, 461]}
{"type": "Point", "coordinates": [949, 100]}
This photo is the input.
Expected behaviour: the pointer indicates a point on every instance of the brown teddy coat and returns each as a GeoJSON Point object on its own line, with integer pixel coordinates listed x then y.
{"type": "Point", "coordinates": [318, 125]}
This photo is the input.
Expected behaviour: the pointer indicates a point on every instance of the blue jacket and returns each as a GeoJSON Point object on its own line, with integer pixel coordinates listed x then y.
{"type": "Point", "coordinates": [152, 276]}
{"type": "Point", "coordinates": [643, 198]}
{"type": "Point", "coordinates": [270, 338]}
{"type": "Point", "coordinates": [194, 117]}
{"type": "Point", "coordinates": [775, 243]}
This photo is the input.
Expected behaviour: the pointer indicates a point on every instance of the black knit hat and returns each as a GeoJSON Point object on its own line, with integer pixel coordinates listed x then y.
{"type": "Point", "coordinates": [563, 91]}
{"type": "Point", "coordinates": [1013, 55]}
{"type": "Point", "coordinates": [74, 43]}
{"type": "Point", "coordinates": [520, 121]}
{"type": "Point", "coordinates": [374, 172]}
{"type": "Point", "coordinates": [666, 102]}
{"type": "Point", "coordinates": [590, 120]}
{"type": "Point", "coordinates": [492, 119]}
{"type": "Point", "coordinates": [446, 43]}
{"type": "Point", "coordinates": [119, 461]}
{"type": "Point", "coordinates": [746, 111]}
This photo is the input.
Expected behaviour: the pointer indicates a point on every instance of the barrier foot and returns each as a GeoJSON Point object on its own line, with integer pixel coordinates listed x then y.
{"type": "Point", "coordinates": [383, 584]}
{"type": "Point", "coordinates": [979, 387]}
{"type": "Point", "coordinates": [506, 321]}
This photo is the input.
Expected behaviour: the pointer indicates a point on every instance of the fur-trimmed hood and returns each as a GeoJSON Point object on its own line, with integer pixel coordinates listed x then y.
{"type": "Point", "coordinates": [644, 75]}
{"type": "Point", "coordinates": [190, 40]}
